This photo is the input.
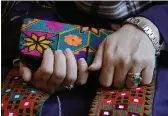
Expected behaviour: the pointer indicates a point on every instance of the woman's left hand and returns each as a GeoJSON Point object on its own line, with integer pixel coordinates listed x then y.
{"type": "Point", "coordinates": [128, 50]}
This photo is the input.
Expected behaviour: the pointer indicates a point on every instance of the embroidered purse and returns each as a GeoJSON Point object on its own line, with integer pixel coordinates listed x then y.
{"type": "Point", "coordinates": [38, 35]}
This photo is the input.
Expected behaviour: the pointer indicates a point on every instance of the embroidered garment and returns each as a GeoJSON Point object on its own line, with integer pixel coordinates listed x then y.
{"type": "Point", "coordinates": [20, 98]}
{"type": "Point", "coordinates": [124, 102]}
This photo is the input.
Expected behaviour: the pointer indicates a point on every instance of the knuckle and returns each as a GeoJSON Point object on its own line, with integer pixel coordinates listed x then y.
{"type": "Point", "coordinates": [124, 60]}
{"type": "Point", "coordinates": [46, 71]}
{"type": "Point", "coordinates": [59, 74]}
{"type": "Point", "coordinates": [151, 62]}
{"type": "Point", "coordinates": [110, 60]}
{"type": "Point", "coordinates": [137, 60]}
{"type": "Point", "coordinates": [108, 53]}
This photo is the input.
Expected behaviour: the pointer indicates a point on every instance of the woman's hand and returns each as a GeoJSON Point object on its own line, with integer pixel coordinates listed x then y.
{"type": "Point", "coordinates": [57, 69]}
{"type": "Point", "coordinates": [128, 50]}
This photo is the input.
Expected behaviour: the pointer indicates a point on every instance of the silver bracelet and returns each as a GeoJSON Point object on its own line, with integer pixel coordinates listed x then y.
{"type": "Point", "coordinates": [147, 30]}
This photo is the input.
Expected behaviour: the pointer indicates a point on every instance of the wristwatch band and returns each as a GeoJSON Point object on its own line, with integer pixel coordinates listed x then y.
{"type": "Point", "coordinates": [147, 30]}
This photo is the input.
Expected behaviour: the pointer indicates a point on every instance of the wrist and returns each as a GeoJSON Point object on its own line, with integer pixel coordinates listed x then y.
{"type": "Point", "coordinates": [152, 25]}
{"type": "Point", "coordinates": [148, 28]}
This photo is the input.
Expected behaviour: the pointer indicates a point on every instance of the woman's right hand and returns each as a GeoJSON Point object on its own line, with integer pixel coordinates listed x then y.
{"type": "Point", "coordinates": [60, 68]}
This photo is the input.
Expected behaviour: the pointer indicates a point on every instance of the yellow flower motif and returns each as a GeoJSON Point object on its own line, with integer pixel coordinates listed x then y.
{"type": "Point", "coordinates": [37, 43]}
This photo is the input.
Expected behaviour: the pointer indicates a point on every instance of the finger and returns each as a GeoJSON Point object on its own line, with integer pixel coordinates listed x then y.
{"type": "Point", "coordinates": [25, 72]}
{"type": "Point", "coordinates": [59, 72]}
{"type": "Point", "coordinates": [147, 75]}
{"type": "Point", "coordinates": [45, 71]}
{"type": "Point", "coordinates": [121, 71]}
{"type": "Point", "coordinates": [137, 67]}
{"type": "Point", "coordinates": [107, 73]}
{"type": "Point", "coordinates": [98, 60]}
{"type": "Point", "coordinates": [71, 68]}
{"type": "Point", "coordinates": [82, 72]}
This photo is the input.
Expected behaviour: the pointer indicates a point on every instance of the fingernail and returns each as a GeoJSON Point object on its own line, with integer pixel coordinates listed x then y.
{"type": "Point", "coordinates": [97, 61]}
{"type": "Point", "coordinates": [25, 77]}
{"type": "Point", "coordinates": [82, 61]}
{"type": "Point", "coordinates": [58, 51]}
{"type": "Point", "coordinates": [93, 64]}
{"type": "Point", "coordinates": [48, 49]}
{"type": "Point", "coordinates": [67, 51]}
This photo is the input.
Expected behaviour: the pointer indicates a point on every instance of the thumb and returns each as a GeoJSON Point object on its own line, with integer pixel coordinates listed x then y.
{"type": "Point", "coordinates": [98, 60]}
{"type": "Point", "coordinates": [25, 72]}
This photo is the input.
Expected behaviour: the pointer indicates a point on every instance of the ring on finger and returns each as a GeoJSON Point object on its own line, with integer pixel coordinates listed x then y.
{"type": "Point", "coordinates": [136, 78]}
{"type": "Point", "coordinates": [70, 87]}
